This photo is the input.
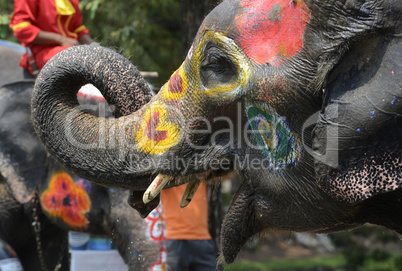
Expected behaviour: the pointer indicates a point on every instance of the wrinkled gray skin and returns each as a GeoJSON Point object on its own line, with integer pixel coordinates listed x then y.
{"type": "Point", "coordinates": [26, 167]}
{"type": "Point", "coordinates": [339, 95]}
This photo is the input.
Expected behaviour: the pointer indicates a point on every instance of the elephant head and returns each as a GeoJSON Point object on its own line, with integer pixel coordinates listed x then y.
{"type": "Point", "coordinates": [300, 98]}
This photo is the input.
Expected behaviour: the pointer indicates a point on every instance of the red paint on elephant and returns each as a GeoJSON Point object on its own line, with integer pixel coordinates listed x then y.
{"type": "Point", "coordinates": [271, 31]}
{"type": "Point", "coordinates": [65, 200]}
{"type": "Point", "coordinates": [151, 129]}
{"type": "Point", "coordinates": [176, 83]}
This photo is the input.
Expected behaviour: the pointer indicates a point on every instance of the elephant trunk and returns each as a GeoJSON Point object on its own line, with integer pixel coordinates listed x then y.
{"type": "Point", "coordinates": [237, 229]}
{"type": "Point", "coordinates": [138, 249]}
{"type": "Point", "coordinates": [94, 148]}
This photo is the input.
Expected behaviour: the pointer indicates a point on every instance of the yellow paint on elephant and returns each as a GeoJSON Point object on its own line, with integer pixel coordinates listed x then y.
{"type": "Point", "coordinates": [268, 134]}
{"type": "Point", "coordinates": [156, 134]}
{"type": "Point", "coordinates": [177, 85]}
{"type": "Point", "coordinates": [229, 91]}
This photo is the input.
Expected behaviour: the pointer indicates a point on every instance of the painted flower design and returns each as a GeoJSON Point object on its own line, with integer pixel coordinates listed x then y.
{"type": "Point", "coordinates": [272, 133]}
{"type": "Point", "coordinates": [65, 200]}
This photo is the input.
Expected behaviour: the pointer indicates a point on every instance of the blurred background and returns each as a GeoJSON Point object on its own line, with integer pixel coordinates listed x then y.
{"type": "Point", "coordinates": [155, 35]}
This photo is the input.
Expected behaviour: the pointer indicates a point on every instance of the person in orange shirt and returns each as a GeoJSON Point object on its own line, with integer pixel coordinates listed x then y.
{"type": "Point", "coordinates": [189, 245]}
{"type": "Point", "coordinates": [46, 27]}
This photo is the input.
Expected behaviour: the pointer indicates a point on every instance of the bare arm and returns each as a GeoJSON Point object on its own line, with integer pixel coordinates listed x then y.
{"type": "Point", "coordinates": [85, 39]}
{"type": "Point", "coordinates": [51, 38]}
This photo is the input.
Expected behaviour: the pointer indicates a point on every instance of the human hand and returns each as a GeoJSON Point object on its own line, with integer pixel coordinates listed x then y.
{"type": "Point", "coordinates": [65, 41]}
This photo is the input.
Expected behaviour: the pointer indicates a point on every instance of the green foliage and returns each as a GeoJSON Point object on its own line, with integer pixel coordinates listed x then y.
{"type": "Point", "coordinates": [6, 10]}
{"type": "Point", "coordinates": [273, 264]}
{"type": "Point", "coordinates": [369, 248]}
{"type": "Point", "coordinates": [146, 31]}
{"type": "Point", "coordinates": [398, 262]}
{"type": "Point", "coordinates": [358, 255]}
{"type": "Point", "coordinates": [329, 263]}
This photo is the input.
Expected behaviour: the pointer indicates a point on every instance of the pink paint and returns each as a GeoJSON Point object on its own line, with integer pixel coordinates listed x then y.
{"type": "Point", "coordinates": [176, 83]}
{"type": "Point", "coordinates": [272, 31]}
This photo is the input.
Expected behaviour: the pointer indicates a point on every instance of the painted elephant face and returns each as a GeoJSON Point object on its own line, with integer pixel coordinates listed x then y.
{"type": "Point", "coordinates": [300, 98]}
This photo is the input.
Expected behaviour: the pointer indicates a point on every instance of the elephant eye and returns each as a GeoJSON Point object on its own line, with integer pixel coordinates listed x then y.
{"type": "Point", "coordinates": [217, 68]}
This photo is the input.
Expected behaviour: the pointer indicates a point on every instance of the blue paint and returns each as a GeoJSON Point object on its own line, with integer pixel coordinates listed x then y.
{"type": "Point", "coordinates": [273, 136]}
{"type": "Point", "coordinates": [85, 183]}
{"type": "Point", "coordinates": [372, 112]}
{"type": "Point", "coordinates": [358, 129]}
{"type": "Point", "coordinates": [392, 102]}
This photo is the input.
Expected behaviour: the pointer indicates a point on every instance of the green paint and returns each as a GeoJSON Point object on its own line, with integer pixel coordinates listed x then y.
{"type": "Point", "coordinates": [273, 135]}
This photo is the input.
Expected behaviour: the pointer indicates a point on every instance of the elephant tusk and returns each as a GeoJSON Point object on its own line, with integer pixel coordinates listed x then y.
{"type": "Point", "coordinates": [155, 187]}
{"type": "Point", "coordinates": [189, 193]}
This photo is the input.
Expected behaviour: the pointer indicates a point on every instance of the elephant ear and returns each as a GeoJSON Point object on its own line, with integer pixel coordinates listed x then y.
{"type": "Point", "coordinates": [22, 157]}
{"type": "Point", "coordinates": [358, 136]}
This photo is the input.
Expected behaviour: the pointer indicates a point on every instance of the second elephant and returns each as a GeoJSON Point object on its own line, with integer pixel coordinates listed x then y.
{"type": "Point", "coordinates": [65, 202]}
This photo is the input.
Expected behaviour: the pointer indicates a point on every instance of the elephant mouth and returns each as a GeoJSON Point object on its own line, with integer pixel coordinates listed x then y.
{"type": "Point", "coordinates": [135, 201]}
{"type": "Point", "coordinates": [146, 201]}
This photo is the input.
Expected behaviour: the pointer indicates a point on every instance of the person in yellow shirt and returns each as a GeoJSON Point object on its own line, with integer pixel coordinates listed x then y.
{"type": "Point", "coordinates": [189, 245]}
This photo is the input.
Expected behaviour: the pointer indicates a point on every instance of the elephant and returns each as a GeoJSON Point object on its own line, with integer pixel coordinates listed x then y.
{"type": "Point", "coordinates": [8, 258]}
{"type": "Point", "coordinates": [301, 99]}
{"type": "Point", "coordinates": [40, 201]}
